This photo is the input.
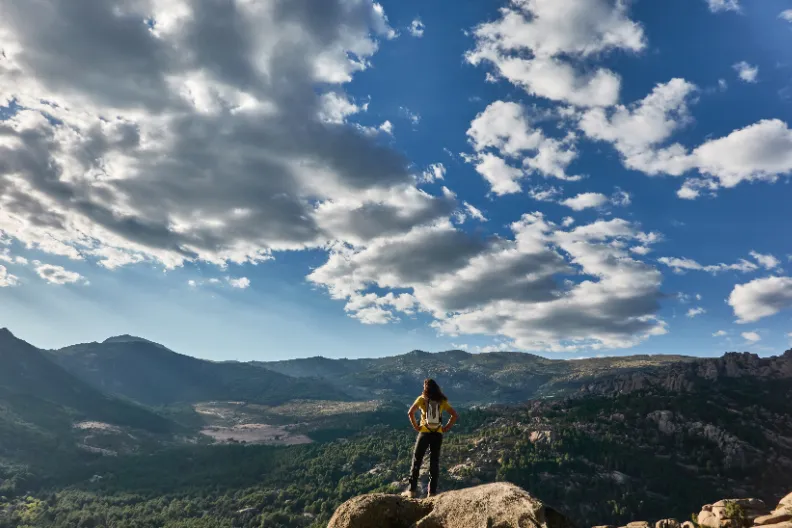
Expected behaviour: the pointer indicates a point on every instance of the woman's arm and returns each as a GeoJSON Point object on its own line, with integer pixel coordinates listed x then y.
{"type": "Point", "coordinates": [451, 420]}
{"type": "Point", "coordinates": [411, 414]}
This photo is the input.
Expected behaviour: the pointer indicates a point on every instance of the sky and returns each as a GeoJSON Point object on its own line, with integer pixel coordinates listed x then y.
{"type": "Point", "coordinates": [269, 179]}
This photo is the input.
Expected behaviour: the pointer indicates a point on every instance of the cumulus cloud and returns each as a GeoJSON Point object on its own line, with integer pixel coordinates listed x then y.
{"type": "Point", "coordinates": [746, 72]}
{"type": "Point", "coordinates": [641, 132]}
{"type": "Point", "coordinates": [761, 298]}
{"type": "Point", "coordinates": [6, 278]}
{"type": "Point", "coordinates": [56, 274]}
{"type": "Point", "coordinates": [638, 130]}
{"type": "Point", "coordinates": [504, 128]}
{"type": "Point", "coordinates": [695, 312]}
{"type": "Point", "coordinates": [786, 15]}
{"type": "Point", "coordinates": [720, 333]}
{"type": "Point", "coordinates": [241, 283]}
{"type": "Point", "coordinates": [214, 132]}
{"type": "Point", "coordinates": [753, 337]}
{"type": "Point", "coordinates": [585, 201]}
{"type": "Point", "coordinates": [723, 5]}
{"type": "Point", "coordinates": [541, 45]}
{"type": "Point", "coordinates": [762, 151]}
{"type": "Point", "coordinates": [417, 28]}
{"type": "Point", "coordinates": [512, 287]}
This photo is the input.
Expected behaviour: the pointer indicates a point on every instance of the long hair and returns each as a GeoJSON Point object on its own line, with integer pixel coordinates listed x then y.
{"type": "Point", "coordinates": [431, 391]}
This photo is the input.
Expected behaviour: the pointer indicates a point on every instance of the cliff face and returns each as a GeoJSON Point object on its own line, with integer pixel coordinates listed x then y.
{"type": "Point", "coordinates": [503, 505]}
{"type": "Point", "coordinates": [681, 377]}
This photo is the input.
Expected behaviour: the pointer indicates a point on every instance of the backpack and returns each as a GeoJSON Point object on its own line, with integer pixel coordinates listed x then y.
{"type": "Point", "coordinates": [434, 415]}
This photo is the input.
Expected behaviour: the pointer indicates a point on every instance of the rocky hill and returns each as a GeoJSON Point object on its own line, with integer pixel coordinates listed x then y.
{"type": "Point", "coordinates": [504, 505]}
{"type": "Point", "coordinates": [686, 376]}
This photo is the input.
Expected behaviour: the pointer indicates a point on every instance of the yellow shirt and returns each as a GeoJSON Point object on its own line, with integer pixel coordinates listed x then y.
{"type": "Point", "coordinates": [420, 402]}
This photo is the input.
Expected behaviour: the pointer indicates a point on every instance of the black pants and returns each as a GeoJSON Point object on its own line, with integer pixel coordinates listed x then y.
{"type": "Point", "coordinates": [433, 442]}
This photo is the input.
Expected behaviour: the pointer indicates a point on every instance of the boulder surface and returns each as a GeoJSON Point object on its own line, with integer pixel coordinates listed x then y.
{"type": "Point", "coordinates": [498, 505]}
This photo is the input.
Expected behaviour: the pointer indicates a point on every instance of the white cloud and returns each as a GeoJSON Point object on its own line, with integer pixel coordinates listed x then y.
{"type": "Point", "coordinates": [192, 283]}
{"type": "Point", "coordinates": [621, 198]}
{"type": "Point", "coordinates": [720, 333]}
{"type": "Point", "coordinates": [567, 221]}
{"type": "Point", "coordinates": [761, 298]}
{"type": "Point", "coordinates": [433, 173]}
{"type": "Point", "coordinates": [460, 346]}
{"type": "Point", "coordinates": [637, 131]}
{"type": "Point", "coordinates": [474, 212]}
{"type": "Point", "coordinates": [640, 133]}
{"type": "Point", "coordinates": [6, 278]}
{"type": "Point", "coordinates": [504, 127]}
{"type": "Point", "coordinates": [766, 261]}
{"type": "Point", "coordinates": [687, 192]}
{"type": "Point", "coordinates": [695, 312]}
{"type": "Point", "coordinates": [417, 28]}
{"type": "Point", "coordinates": [753, 337]}
{"type": "Point", "coordinates": [641, 250]}
{"type": "Point", "coordinates": [585, 201]}
{"type": "Point", "coordinates": [501, 176]}
{"type": "Point", "coordinates": [723, 5]}
{"type": "Point", "coordinates": [508, 287]}
{"type": "Point", "coordinates": [680, 265]}
{"type": "Point", "coordinates": [5, 256]}
{"type": "Point", "coordinates": [241, 283]}
{"type": "Point", "coordinates": [546, 194]}
{"type": "Point", "coordinates": [56, 274]}
{"type": "Point", "coordinates": [558, 34]}
{"type": "Point", "coordinates": [386, 127]}
{"type": "Point", "coordinates": [762, 151]}
{"type": "Point", "coordinates": [786, 15]}
{"type": "Point", "coordinates": [746, 72]}
{"type": "Point", "coordinates": [722, 85]}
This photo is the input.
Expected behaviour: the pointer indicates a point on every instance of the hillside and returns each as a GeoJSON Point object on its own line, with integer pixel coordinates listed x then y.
{"type": "Point", "coordinates": [648, 454]}
{"type": "Point", "coordinates": [495, 377]}
{"type": "Point", "coordinates": [45, 408]}
{"type": "Point", "coordinates": [152, 374]}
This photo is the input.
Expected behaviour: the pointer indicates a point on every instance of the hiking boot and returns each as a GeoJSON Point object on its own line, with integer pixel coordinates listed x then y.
{"type": "Point", "coordinates": [410, 493]}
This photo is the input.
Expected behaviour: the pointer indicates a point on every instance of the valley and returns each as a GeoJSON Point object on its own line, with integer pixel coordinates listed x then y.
{"type": "Point", "coordinates": [244, 445]}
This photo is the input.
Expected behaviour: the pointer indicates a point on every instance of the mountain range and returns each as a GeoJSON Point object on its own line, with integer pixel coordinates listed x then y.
{"type": "Point", "coordinates": [604, 438]}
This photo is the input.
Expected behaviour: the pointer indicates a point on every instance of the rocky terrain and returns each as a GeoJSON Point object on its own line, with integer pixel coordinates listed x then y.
{"type": "Point", "coordinates": [502, 505]}
{"type": "Point", "coordinates": [685, 376]}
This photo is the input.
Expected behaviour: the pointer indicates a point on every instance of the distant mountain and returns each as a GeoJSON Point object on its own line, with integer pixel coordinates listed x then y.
{"type": "Point", "coordinates": [40, 402]}
{"type": "Point", "coordinates": [495, 377]}
{"type": "Point", "coordinates": [152, 374]}
{"type": "Point", "coordinates": [684, 377]}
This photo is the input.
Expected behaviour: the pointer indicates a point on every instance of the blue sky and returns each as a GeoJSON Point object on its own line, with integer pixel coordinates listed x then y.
{"type": "Point", "coordinates": [266, 180]}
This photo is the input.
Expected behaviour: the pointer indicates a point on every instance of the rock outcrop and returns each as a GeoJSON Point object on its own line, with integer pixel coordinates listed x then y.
{"type": "Point", "coordinates": [503, 505]}
{"type": "Point", "coordinates": [497, 505]}
{"type": "Point", "coordinates": [683, 376]}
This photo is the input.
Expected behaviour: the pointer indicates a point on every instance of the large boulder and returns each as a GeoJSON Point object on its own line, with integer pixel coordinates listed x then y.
{"type": "Point", "coordinates": [731, 513]}
{"type": "Point", "coordinates": [497, 505]}
{"type": "Point", "coordinates": [781, 515]}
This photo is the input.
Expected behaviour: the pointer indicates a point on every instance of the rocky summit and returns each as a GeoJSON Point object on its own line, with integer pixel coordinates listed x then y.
{"type": "Point", "coordinates": [503, 505]}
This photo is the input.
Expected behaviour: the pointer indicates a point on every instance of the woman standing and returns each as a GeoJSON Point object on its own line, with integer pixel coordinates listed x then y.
{"type": "Point", "coordinates": [432, 403]}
